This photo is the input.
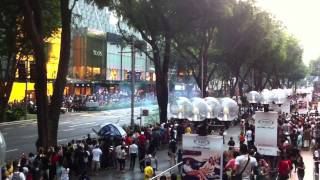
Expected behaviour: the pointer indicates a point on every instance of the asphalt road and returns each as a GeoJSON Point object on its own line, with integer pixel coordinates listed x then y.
{"type": "Point", "coordinates": [21, 136]}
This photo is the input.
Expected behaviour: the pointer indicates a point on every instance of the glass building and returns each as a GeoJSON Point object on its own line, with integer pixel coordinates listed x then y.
{"type": "Point", "coordinates": [96, 54]}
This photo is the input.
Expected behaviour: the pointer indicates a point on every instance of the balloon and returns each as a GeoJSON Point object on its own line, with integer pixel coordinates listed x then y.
{"type": "Point", "coordinates": [254, 97]}
{"type": "Point", "coordinates": [214, 107]}
{"type": "Point", "coordinates": [229, 110]}
{"type": "Point", "coordinates": [265, 96]}
{"type": "Point", "coordinates": [201, 106]}
{"type": "Point", "coordinates": [181, 108]}
{"type": "Point", "coordinates": [278, 96]}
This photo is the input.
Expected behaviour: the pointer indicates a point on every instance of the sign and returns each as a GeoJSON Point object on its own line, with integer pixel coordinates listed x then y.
{"type": "Point", "coordinates": [138, 76]}
{"type": "Point", "coordinates": [285, 107]}
{"type": "Point", "coordinates": [97, 53]}
{"type": "Point", "coordinates": [266, 132]}
{"type": "Point", "coordinates": [202, 156]}
{"type": "Point", "coordinates": [302, 104]}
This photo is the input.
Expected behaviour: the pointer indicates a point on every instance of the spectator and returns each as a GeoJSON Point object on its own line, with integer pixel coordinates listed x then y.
{"type": "Point", "coordinates": [172, 151]}
{"type": "Point", "coordinates": [133, 151]}
{"type": "Point", "coordinates": [122, 159]}
{"type": "Point", "coordinates": [231, 143]}
{"type": "Point", "coordinates": [17, 174]}
{"type": "Point", "coordinates": [96, 152]}
{"type": "Point", "coordinates": [148, 171]}
{"type": "Point", "coordinates": [244, 163]}
{"type": "Point", "coordinates": [64, 171]}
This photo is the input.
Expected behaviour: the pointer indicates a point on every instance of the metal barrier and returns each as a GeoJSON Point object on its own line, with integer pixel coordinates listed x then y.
{"type": "Point", "coordinates": [165, 171]}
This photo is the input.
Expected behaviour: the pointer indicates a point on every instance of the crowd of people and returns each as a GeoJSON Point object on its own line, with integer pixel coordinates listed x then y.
{"type": "Point", "coordinates": [104, 98]}
{"type": "Point", "coordinates": [80, 158]}
{"type": "Point", "coordinates": [296, 133]}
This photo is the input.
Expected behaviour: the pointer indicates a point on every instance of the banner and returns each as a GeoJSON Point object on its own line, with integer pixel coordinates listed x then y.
{"type": "Point", "coordinates": [266, 132]}
{"type": "Point", "coordinates": [302, 104]}
{"type": "Point", "coordinates": [202, 156]}
{"type": "Point", "coordinates": [285, 107]}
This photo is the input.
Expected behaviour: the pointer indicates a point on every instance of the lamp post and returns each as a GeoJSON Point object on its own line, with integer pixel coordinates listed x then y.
{"type": "Point", "coordinates": [26, 90]}
{"type": "Point", "coordinates": [202, 90]}
{"type": "Point", "coordinates": [133, 76]}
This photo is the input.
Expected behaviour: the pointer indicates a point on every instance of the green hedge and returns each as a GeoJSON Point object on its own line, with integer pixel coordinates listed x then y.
{"type": "Point", "coordinates": [14, 114]}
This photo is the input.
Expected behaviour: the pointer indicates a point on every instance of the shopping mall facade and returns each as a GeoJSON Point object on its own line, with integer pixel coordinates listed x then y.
{"type": "Point", "coordinates": [98, 61]}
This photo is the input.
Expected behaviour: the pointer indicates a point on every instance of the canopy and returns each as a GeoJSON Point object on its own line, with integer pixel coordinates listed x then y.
{"type": "Point", "coordinates": [111, 130]}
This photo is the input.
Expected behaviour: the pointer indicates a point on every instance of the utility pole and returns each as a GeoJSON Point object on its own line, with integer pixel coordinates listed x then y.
{"type": "Point", "coordinates": [202, 86]}
{"type": "Point", "coordinates": [26, 90]}
{"type": "Point", "coordinates": [133, 77]}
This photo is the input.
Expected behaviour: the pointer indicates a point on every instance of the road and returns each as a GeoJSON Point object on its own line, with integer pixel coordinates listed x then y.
{"type": "Point", "coordinates": [21, 136]}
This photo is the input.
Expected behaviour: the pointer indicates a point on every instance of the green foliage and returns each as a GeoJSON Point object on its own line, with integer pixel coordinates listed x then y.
{"type": "Point", "coordinates": [14, 114]}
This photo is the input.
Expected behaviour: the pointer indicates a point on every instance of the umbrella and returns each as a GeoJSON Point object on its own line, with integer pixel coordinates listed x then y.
{"type": "Point", "coordinates": [111, 130]}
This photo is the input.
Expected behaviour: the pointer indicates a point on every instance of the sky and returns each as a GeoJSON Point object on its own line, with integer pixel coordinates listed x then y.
{"type": "Point", "coordinates": [302, 19]}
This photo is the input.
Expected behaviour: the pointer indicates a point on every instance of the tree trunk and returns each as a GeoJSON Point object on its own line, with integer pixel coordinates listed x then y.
{"type": "Point", "coordinates": [60, 82]}
{"type": "Point", "coordinates": [33, 23]}
{"type": "Point", "coordinates": [162, 95]}
{"type": "Point", "coordinates": [161, 70]}
{"type": "Point", "coordinates": [233, 87]}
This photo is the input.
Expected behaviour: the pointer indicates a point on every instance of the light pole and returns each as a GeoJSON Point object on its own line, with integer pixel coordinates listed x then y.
{"type": "Point", "coordinates": [133, 76]}
{"type": "Point", "coordinates": [26, 90]}
{"type": "Point", "coordinates": [202, 90]}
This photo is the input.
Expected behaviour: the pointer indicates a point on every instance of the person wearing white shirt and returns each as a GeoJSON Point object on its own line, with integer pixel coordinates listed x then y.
{"type": "Point", "coordinates": [244, 163]}
{"type": "Point", "coordinates": [96, 154]}
{"type": "Point", "coordinates": [249, 137]}
{"type": "Point", "coordinates": [64, 173]}
{"type": "Point", "coordinates": [133, 151]}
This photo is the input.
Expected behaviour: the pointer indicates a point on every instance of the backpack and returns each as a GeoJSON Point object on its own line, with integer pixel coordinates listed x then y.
{"type": "Point", "coordinates": [16, 176]}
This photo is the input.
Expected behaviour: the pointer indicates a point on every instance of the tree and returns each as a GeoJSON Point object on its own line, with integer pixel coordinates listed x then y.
{"type": "Point", "coordinates": [314, 67]}
{"type": "Point", "coordinates": [197, 42]}
{"type": "Point", "coordinates": [9, 39]}
{"type": "Point", "coordinates": [34, 23]}
{"type": "Point", "coordinates": [15, 46]}
{"type": "Point", "coordinates": [158, 22]}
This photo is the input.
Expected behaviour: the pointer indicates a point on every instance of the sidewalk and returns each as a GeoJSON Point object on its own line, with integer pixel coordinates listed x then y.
{"type": "Point", "coordinates": [163, 163]}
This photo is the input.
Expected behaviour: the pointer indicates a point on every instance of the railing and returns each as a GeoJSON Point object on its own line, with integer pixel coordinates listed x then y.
{"type": "Point", "coordinates": [165, 171]}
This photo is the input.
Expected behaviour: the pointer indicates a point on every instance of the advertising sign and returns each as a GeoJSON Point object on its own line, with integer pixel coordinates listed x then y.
{"type": "Point", "coordinates": [266, 132]}
{"type": "Point", "coordinates": [302, 104]}
{"type": "Point", "coordinates": [202, 156]}
{"type": "Point", "coordinates": [285, 108]}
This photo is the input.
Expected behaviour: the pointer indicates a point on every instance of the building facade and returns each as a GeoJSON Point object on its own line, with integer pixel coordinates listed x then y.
{"type": "Point", "coordinates": [97, 58]}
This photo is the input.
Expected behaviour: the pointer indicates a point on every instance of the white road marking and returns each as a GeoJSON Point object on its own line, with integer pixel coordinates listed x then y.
{"type": "Point", "coordinates": [65, 130]}
{"type": "Point", "coordinates": [60, 140]}
{"type": "Point", "coordinates": [30, 136]}
{"type": "Point", "coordinates": [66, 122]}
{"type": "Point", "coordinates": [72, 126]}
{"type": "Point", "coordinates": [11, 150]}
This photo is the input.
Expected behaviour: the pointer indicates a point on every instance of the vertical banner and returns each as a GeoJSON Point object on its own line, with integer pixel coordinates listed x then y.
{"type": "Point", "coordinates": [266, 132]}
{"type": "Point", "coordinates": [302, 105]}
{"type": "Point", "coordinates": [202, 156]}
{"type": "Point", "coordinates": [285, 108]}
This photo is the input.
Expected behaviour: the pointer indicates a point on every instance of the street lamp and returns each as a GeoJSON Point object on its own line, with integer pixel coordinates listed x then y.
{"type": "Point", "coordinates": [133, 75]}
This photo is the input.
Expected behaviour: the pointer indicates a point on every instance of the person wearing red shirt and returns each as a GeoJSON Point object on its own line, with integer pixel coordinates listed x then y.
{"type": "Point", "coordinates": [283, 169]}
{"type": "Point", "coordinates": [142, 140]}
{"type": "Point", "coordinates": [128, 140]}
